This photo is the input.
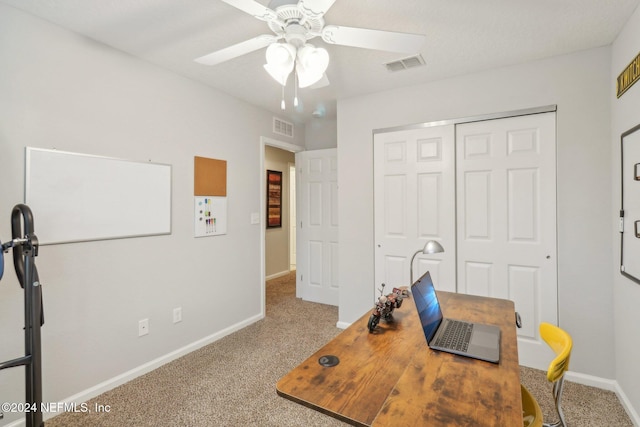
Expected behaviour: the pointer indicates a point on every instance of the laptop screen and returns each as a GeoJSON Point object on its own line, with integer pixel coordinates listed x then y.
{"type": "Point", "coordinates": [424, 295]}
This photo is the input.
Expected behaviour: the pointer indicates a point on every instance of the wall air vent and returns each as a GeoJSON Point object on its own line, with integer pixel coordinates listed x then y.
{"type": "Point", "coordinates": [405, 63]}
{"type": "Point", "coordinates": [282, 128]}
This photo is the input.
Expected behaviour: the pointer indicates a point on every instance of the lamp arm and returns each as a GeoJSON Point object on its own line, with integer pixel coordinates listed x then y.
{"type": "Point", "coordinates": [411, 265]}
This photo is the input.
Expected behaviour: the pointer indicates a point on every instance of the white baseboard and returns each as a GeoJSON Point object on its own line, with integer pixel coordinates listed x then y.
{"type": "Point", "coordinates": [342, 325]}
{"type": "Point", "coordinates": [109, 384]}
{"type": "Point", "coordinates": [606, 384]}
{"type": "Point", "coordinates": [276, 275]}
{"type": "Point", "coordinates": [591, 381]}
{"type": "Point", "coordinates": [626, 404]}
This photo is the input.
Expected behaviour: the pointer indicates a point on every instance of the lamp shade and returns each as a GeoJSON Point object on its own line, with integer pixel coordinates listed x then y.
{"type": "Point", "coordinates": [280, 61]}
{"type": "Point", "coordinates": [280, 54]}
{"type": "Point", "coordinates": [311, 64]}
{"type": "Point", "coordinates": [432, 247]}
{"type": "Point", "coordinates": [280, 75]}
{"type": "Point", "coordinates": [315, 59]}
{"type": "Point", "coordinates": [306, 78]}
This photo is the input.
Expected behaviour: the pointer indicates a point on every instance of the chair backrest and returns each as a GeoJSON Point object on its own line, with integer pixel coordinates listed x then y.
{"type": "Point", "coordinates": [561, 343]}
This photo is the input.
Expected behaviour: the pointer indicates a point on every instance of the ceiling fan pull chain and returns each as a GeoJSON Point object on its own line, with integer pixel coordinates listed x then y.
{"type": "Point", "coordinates": [295, 90]}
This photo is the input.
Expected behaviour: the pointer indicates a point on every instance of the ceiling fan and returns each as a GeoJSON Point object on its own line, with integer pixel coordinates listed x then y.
{"type": "Point", "coordinates": [297, 22]}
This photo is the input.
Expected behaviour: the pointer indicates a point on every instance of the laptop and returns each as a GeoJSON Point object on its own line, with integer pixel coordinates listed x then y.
{"type": "Point", "coordinates": [475, 340]}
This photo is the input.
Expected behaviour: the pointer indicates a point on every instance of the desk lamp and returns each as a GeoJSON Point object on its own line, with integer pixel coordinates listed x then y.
{"type": "Point", "coordinates": [431, 247]}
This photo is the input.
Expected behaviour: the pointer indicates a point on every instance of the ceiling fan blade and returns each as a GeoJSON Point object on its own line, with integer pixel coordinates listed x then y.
{"type": "Point", "coordinates": [315, 8]}
{"type": "Point", "coordinates": [253, 8]}
{"type": "Point", "coordinates": [236, 50]}
{"type": "Point", "coordinates": [373, 39]}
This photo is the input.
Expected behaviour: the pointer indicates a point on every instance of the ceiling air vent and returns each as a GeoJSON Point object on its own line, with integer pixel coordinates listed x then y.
{"type": "Point", "coordinates": [405, 63]}
{"type": "Point", "coordinates": [282, 128]}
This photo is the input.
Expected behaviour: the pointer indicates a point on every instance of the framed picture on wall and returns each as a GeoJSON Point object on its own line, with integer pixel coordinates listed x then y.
{"type": "Point", "coordinates": [274, 199]}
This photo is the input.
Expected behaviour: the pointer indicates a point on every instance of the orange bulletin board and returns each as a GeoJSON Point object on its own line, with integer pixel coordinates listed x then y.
{"type": "Point", "coordinates": [210, 177]}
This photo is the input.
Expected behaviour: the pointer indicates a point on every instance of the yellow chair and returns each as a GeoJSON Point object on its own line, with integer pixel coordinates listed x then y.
{"type": "Point", "coordinates": [531, 412]}
{"type": "Point", "coordinates": [561, 343]}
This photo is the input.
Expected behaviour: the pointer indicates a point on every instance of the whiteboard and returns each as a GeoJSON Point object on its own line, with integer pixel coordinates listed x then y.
{"type": "Point", "coordinates": [210, 215]}
{"type": "Point", "coordinates": [79, 197]}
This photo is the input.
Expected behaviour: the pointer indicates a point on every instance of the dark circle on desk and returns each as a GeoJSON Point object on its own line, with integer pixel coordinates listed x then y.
{"type": "Point", "coordinates": [328, 361]}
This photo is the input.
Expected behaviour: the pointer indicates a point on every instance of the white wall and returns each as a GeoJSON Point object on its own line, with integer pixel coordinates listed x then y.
{"type": "Point", "coordinates": [579, 84]}
{"type": "Point", "coordinates": [59, 90]}
{"type": "Point", "coordinates": [625, 114]}
{"type": "Point", "coordinates": [321, 134]}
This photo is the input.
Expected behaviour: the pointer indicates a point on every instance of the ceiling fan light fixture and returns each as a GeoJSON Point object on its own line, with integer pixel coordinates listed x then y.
{"type": "Point", "coordinates": [278, 73]}
{"type": "Point", "coordinates": [280, 54]}
{"type": "Point", "coordinates": [280, 61]}
{"type": "Point", "coordinates": [311, 64]}
{"type": "Point", "coordinates": [314, 59]}
{"type": "Point", "coordinates": [306, 78]}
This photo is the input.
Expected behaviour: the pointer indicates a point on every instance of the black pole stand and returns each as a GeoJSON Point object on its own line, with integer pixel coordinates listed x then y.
{"type": "Point", "coordinates": [25, 249]}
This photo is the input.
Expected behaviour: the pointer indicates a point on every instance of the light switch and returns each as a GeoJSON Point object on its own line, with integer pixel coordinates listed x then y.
{"type": "Point", "coordinates": [255, 218]}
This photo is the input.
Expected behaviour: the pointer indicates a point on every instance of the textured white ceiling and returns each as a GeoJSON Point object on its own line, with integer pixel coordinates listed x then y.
{"type": "Point", "coordinates": [462, 36]}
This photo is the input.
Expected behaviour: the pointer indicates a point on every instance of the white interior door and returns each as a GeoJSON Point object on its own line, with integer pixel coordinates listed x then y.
{"type": "Point", "coordinates": [292, 216]}
{"type": "Point", "coordinates": [317, 216]}
{"type": "Point", "coordinates": [414, 202]}
{"type": "Point", "coordinates": [506, 209]}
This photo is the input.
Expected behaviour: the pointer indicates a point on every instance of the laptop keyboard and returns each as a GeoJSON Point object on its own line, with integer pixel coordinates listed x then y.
{"type": "Point", "coordinates": [456, 335]}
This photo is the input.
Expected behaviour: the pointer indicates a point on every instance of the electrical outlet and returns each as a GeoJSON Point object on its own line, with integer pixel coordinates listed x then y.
{"type": "Point", "coordinates": [143, 327]}
{"type": "Point", "coordinates": [177, 314]}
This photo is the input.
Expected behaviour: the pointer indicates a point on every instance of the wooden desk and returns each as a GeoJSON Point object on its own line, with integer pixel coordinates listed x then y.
{"type": "Point", "coordinates": [392, 378]}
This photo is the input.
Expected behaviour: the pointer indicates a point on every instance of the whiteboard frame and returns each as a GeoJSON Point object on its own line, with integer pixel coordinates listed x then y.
{"type": "Point", "coordinates": [164, 197]}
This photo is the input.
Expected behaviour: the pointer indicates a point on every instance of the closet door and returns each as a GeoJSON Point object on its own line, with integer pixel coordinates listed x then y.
{"type": "Point", "coordinates": [506, 220]}
{"type": "Point", "coordinates": [414, 202]}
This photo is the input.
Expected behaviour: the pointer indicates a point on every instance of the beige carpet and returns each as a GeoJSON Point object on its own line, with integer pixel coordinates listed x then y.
{"type": "Point", "coordinates": [232, 381]}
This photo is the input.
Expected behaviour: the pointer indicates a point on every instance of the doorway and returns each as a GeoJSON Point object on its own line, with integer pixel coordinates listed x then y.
{"type": "Point", "coordinates": [278, 248]}
{"type": "Point", "coordinates": [275, 263]}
